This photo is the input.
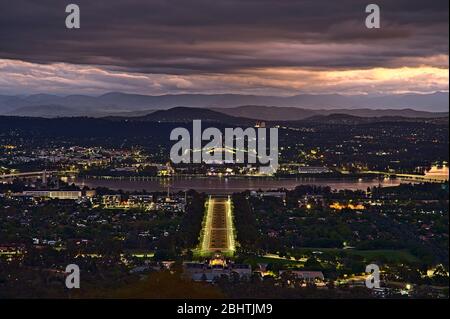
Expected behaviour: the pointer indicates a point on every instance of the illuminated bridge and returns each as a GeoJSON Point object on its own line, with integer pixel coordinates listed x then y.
{"type": "Point", "coordinates": [28, 174]}
{"type": "Point", "coordinates": [434, 178]}
{"type": "Point", "coordinates": [218, 230]}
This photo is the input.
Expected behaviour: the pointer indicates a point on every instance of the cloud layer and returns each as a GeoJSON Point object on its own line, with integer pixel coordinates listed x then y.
{"type": "Point", "coordinates": [249, 46]}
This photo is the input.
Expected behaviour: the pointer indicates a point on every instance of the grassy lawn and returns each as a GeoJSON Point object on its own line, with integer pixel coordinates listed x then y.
{"type": "Point", "coordinates": [271, 260]}
{"type": "Point", "coordinates": [369, 255]}
{"type": "Point", "coordinates": [199, 254]}
{"type": "Point", "coordinates": [389, 255]}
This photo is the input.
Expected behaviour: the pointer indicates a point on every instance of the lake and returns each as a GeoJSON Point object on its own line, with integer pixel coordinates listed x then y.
{"type": "Point", "coordinates": [228, 185]}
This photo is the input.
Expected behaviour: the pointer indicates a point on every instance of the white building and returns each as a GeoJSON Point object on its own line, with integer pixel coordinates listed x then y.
{"type": "Point", "coordinates": [314, 170]}
{"type": "Point", "coordinates": [54, 194]}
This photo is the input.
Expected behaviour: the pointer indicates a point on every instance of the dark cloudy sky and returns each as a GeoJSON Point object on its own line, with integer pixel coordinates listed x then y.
{"type": "Point", "coordinates": [277, 47]}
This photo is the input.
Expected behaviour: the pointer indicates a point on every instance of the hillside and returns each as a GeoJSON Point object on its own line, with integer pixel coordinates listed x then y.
{"type": "Point", "coordinates": [115, 103]}
{"type": "Point", "coordinates": [272, 113]}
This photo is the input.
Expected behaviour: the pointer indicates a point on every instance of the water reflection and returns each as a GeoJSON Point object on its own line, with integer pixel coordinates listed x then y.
{"type": "Point", "coordinates": [229, 185]}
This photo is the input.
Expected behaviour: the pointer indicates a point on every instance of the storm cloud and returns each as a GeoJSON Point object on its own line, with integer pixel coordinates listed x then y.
{"type": "Point", "coordinates": [191, 42]}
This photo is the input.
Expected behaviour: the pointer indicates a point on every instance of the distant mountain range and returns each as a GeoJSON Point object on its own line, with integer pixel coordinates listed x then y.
{"type": "Point", "coordinates": [345, 119]}
{"type": "Point", "coordinates": [272, 113]}
{"type": "Point", "coordinates": [187, 115]}
{"type": "Point", "coordinates": [183, 116]}
{"type": "Point", "coordinates": [257, 107]}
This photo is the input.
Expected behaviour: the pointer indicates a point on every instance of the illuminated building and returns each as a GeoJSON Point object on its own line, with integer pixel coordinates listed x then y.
{"type": "Point", "coordinates": [314, 170]}
{"type": "Point", "coordinates": [338, 206]}
{"type": "Point", "coordinates": [307, 276]}
{"type": "Point", "coordinates": [54, 194]}
{"type": "Point", "coordinates": [214, 269]}
{"type": "Point", "coordinates": [111, 200]}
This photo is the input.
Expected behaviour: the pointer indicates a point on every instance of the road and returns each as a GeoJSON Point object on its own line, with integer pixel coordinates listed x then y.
{"type": "Point", "coordinates": [218, 232]}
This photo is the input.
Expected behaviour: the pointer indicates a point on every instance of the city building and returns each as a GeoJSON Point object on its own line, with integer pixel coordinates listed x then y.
{"type": "Point", "coordinates": [281, 195]}
{"type": "Point", "coordinates": [141, 201]}
{"type": "Point", "coordinates": [53, 194]}
{"type": "Point", "coordinates": [214, 269]}
{"type": "Point", "coordinates": [171, 204]}
{"type": "Point", "coordinates": [307, 276]}
{"type": "Point", "coordinates": [110, 201]}
{"type": "Point", "coordinates": [314, 170]}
